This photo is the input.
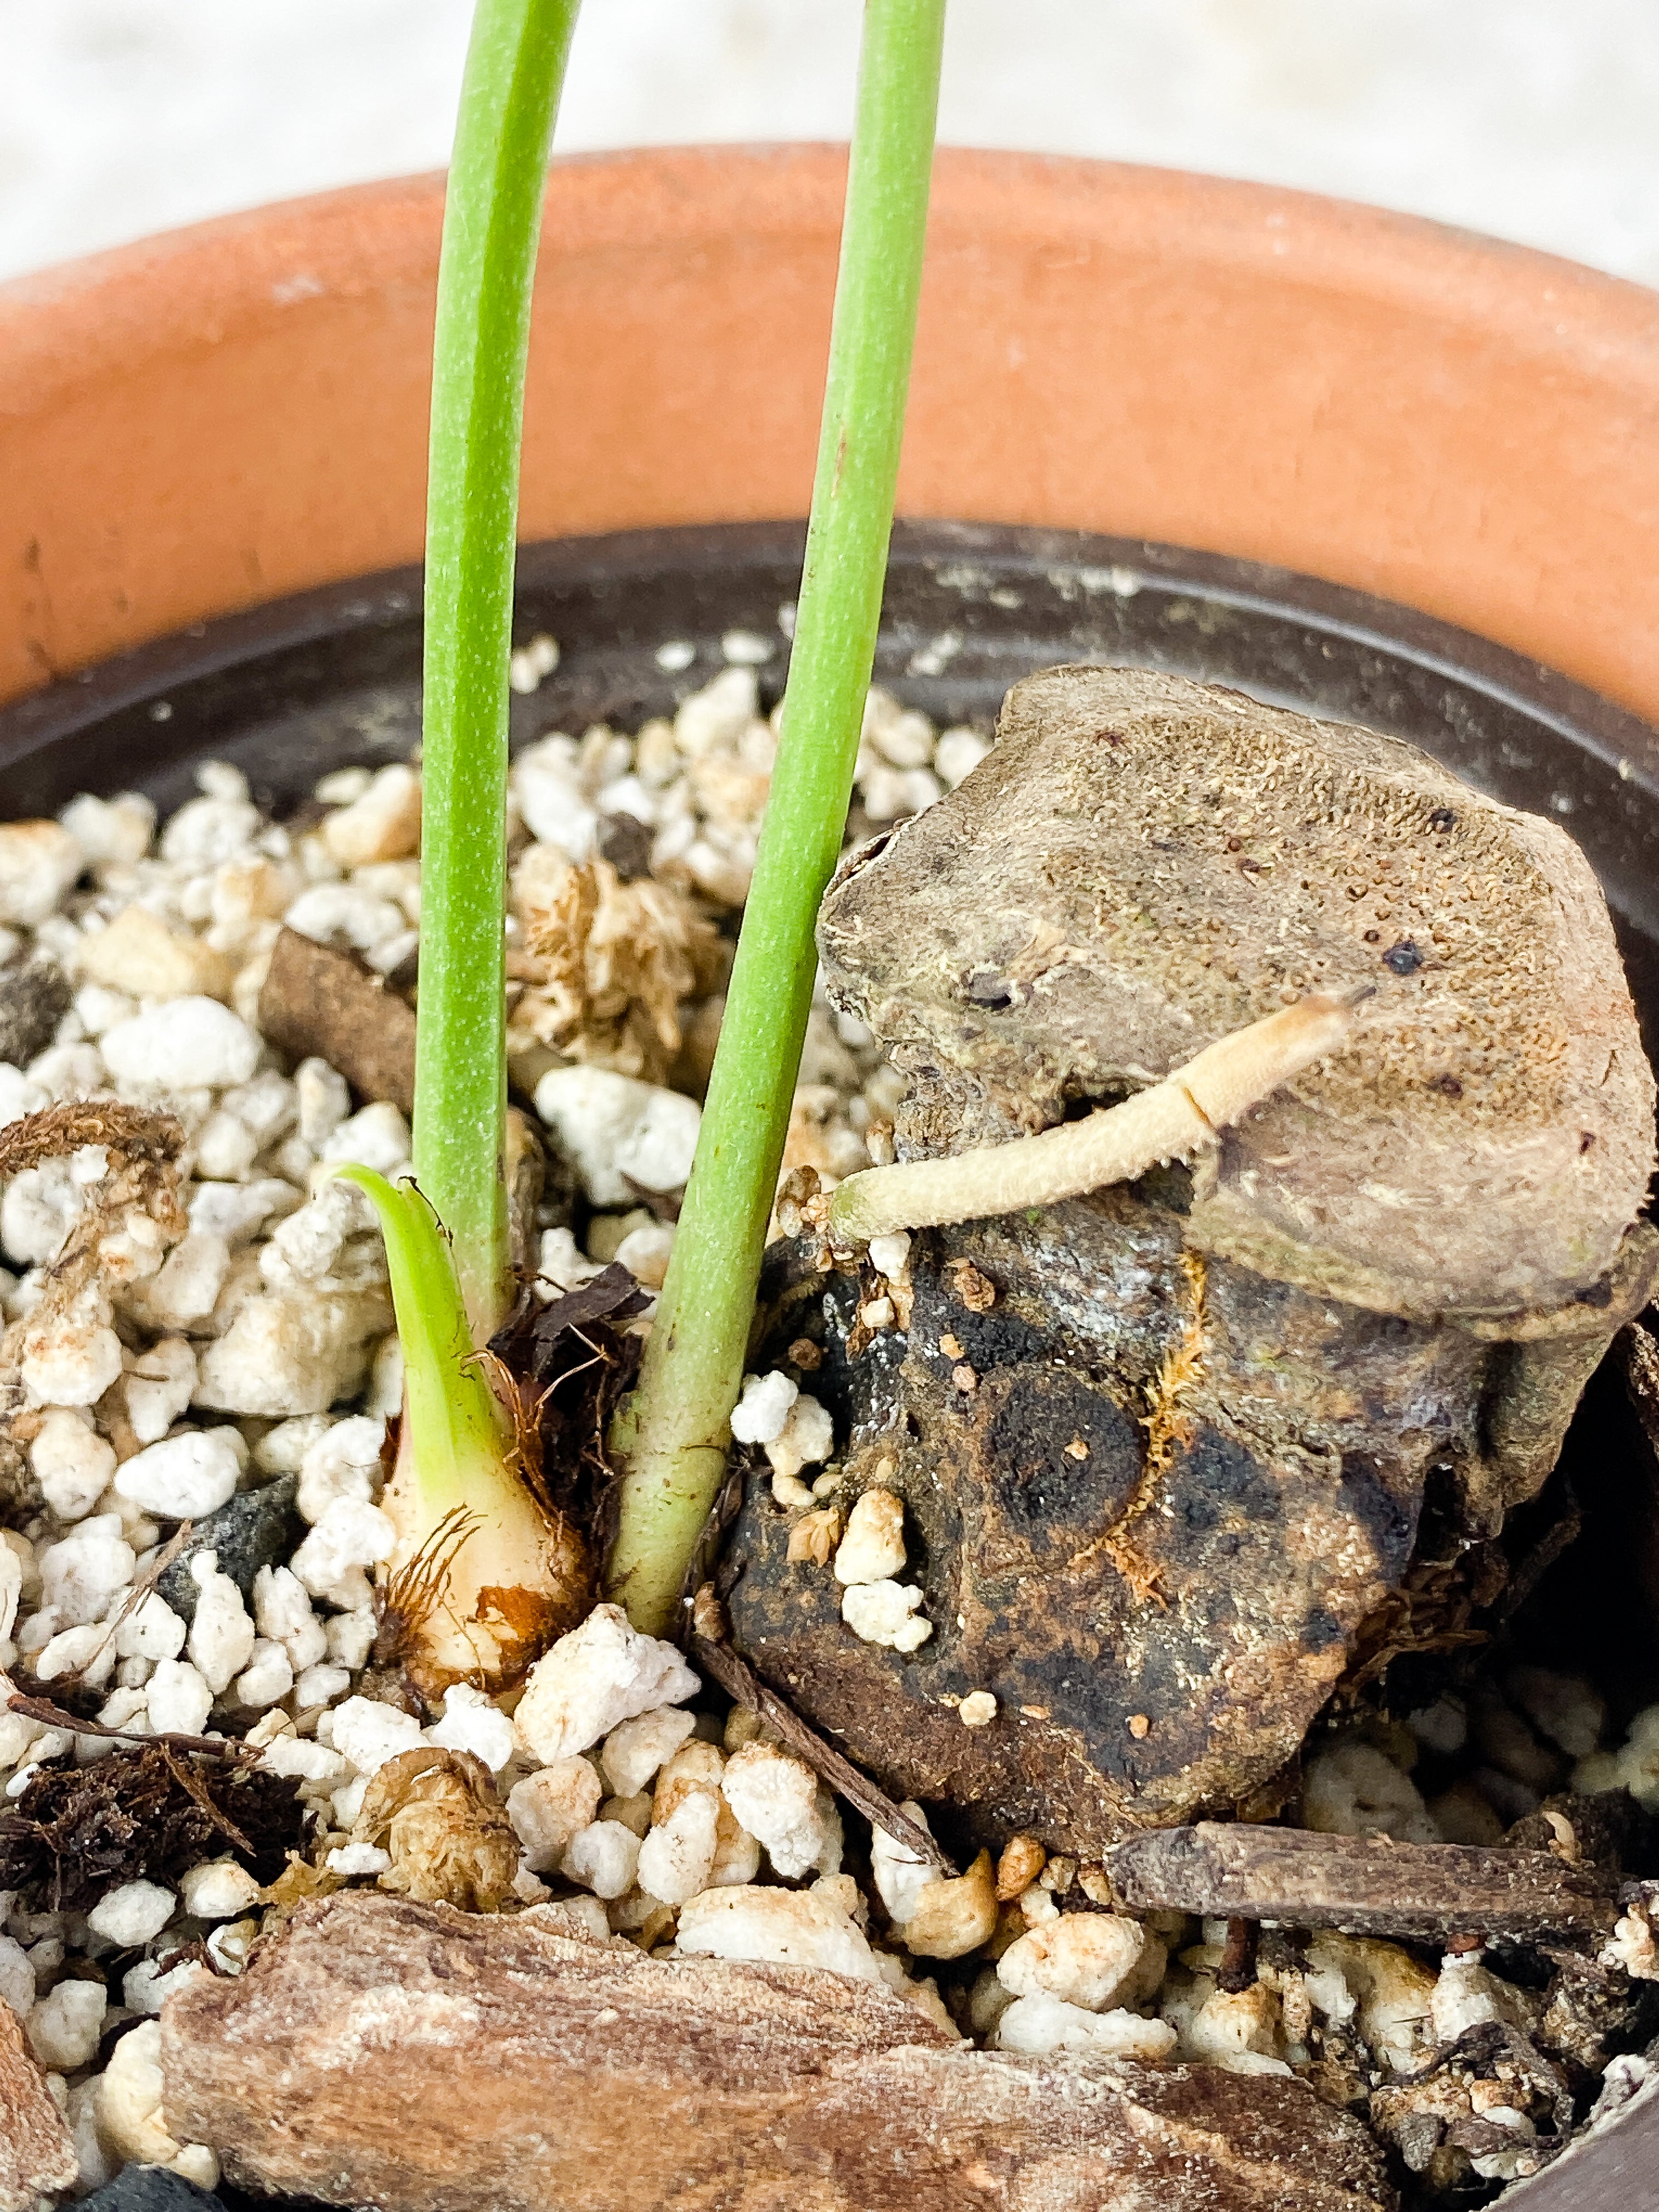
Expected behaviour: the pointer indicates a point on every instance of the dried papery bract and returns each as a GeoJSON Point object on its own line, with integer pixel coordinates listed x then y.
{"type": "Point", "coordinates": [1173, 1119]}
{"type": "Point", "coordinates": [484, 1577]}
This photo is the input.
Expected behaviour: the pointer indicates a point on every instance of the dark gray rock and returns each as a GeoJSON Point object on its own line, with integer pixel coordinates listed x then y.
{"type": "Point", "coordinates": [256, 1528]}
{"type": "Point", "coordinates": [35, 996]}
{"type": "Point", "coordinates": [149, 2189]}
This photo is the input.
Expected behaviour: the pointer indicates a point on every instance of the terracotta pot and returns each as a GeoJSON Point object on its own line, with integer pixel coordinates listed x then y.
{"type": "Point", "coordinates": [229, 413]}
{"type": "Point", "coordinates": [207, 422]}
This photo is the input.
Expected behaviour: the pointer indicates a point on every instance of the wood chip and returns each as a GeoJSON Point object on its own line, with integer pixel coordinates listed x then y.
{"type": "Point", "coordinates": [1363, 1885]}
{"type": "Point", "coordinates": [318, 1001]}
{"type": "Point", "coordinates": [384, 2053]}
{"type": "Point", "coordinates": [37, 2153]}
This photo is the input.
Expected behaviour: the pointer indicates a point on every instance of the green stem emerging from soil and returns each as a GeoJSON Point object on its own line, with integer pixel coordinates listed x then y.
{"type": "Point", "coordinates": [492, 225]}
{"type": "Point", "coordinates": [676, 1431]}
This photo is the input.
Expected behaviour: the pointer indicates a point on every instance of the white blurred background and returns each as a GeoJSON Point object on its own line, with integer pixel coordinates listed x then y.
{"type": "Point", "coordinates": [1530, 118]}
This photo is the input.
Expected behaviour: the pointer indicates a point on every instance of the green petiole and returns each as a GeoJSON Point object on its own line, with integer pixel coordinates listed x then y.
{"type": "Point", "coordinates": [492, 225]}
{"type": "Point", "coordinates": [676, 1432]}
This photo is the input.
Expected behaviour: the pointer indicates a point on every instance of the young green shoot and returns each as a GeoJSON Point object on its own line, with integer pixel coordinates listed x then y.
{"type": "Point", "coordinates": [675, 1432]}
{"type": "Point", "coordinates": [492, 225]}
{"type": "Point", "coordinates": [483, 1577]}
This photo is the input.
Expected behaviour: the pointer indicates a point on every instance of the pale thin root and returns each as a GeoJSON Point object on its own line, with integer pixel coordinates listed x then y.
{"type": "Point", "coordinates": [1171, 1121]}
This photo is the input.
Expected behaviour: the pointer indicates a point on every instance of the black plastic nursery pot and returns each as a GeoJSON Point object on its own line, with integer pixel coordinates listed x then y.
{"type": "Point", "coordinates": [291, 689]}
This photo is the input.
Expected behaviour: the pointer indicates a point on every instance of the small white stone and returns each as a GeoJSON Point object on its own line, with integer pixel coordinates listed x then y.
{"type": "Point", "coordinates": [38, 862]}
{"type": "Point", "coordinates": [886, 1613]}
{"type": "Point", "coordinates": [343, 1463]}
{"type": "Point", "coordinates": [977, 1709]}
{"type": "Point", "coordinates": [130, 1915]}
{"type": "Point", "coordinates": [807, 1438]}
{"type": "Point", "coordinates": [872, 1549]}
{"type": "Point", "coordinates": [151, 1631]}
{"type": "Point", "coordinates": [268, 1676]}
{"type": "Point", "coordinates": [376, 1138]}
{"type": "Point", "coordinates": [63, 2026]}
{"type": "Point", "coordinates": [600, 1675]}
{"type": "Point", "coordinates": [603, 1857]}
{"type": "Point", "coordinates": [787, 1927]}
{"type": "Point", "coordinates": [282, 1611]}
{"type": "Point", "coordinates": [320, 1686]}
{"type": "Point", "coordinates": [1087, 1958]}
{"type": "Point", "coordinates": [677, 1857]}
{"type": "Point", "coordinates": [180, 1700]}
{"type": "Point", "coordinates": [891, 1256]}
{"type": "Point", "coordinates": [82, 1574]}
{"type": "Point", "coordinates": [221, 1639]}
{"type": "Point", "coordinates": [184, 1478]}
{"type": "Point", "coordinates": [645, 1252]}
{"type": "Point", "coordinates": [324, 1100]}
{"type": "Point", "coordinates": [192, 1039]}
{"type": "Point", "coordinates": [551, 1806]}
{"type": "Point", "coordinates": [369, 1733]}
{"type": "Point", "coordinates": [617, 1133]}
{"type": "Point", "coordinates": [776, 1798]}
{"type": "Point", "coordinates": [347, 1536]}
{"type": "Point", "coordinates": [220, 1890]}
{"type": "Point", "coordinates": [160, 1386]}
{"type": "Point", "coordinates": [473, 1723]}
{"type": "Point", "coordinates": [353, 1859]}
{"type": "Point", "coordinates": [760, 1414]}
{"type": "Point", "coordinates": [634, 1752]}
{"type": "Point", "coordinates": [72, 1463]}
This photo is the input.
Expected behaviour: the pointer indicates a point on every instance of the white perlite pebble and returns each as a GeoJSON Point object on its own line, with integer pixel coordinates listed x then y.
{"type": "Point", "coordinates": [220, 1890]}
{"type": "Point", "coordinates": [296, 1352]}
{"type": "Point", "coordinates": [72, 1463]}
{"type": "Point", "coordinates": [900, 1875]}
{"type": "Point", "coordinates": [180, 1700]}
{"type": "Point", "coordinates": [598, 1676]}
{"type": "Point", "coordinates": [18, 1095]}
{"type": "Point", "coordinates": [128, 2099]}
{"type": "Point", "coordinates": [471, 1722]}
{"type": "Point", "coordinates": [351, 1859]}
{"type": "Point", "coordinates": [195, 1041]}
{"type": "Point", "coordinates": [184, 1478]}
{"type": "Point", "coordinates": [550, 1807]}
{"type": "Point", "coordinates": [111, 829]}
{"type": "Point", "coordinates": [38, 862]}
{"type": "Point", "coordinates": [16, 1976]}
{"type": "Point", "coordinates": [384, 824]}
{"type": "Point", "coordinates": [72, 1359]}
{"type": "Point", "coordinates": [145, 1988]}
{"type": "Point", "coordinates": [130, 1915]}
{"type": "Point", "coordinates": [1350, 1789]}
{"type": "Point", "coordinates": [349, 1636]}
{"type": "Point", "coordinates": [11, 1596]}
{"type": "Point", "coordinates": [268, 1676]}
{"type": "Point", "coordinates": [1087, 1958]}
{"type": "Point", "coordinates": [807, 1438]}
{"type": "Point", "coordinates": [162, 1383]}
{"type": "Point", "coordinates": [786, 1927]}
{"type": "Point", "coordinates": [760, 1414]}
{"type": "Point", "coordinates": [977, 1709]}
{"type": "Point", "coordinates": [63, 2026]}
{"type": "Point", "coordinates": [617, 1133]}
{"type": "Point", "coordinates": [79, 1576]}
{"type": "Point", "coordinates": [188, 1286]}
{"type": "Point", "coordinates": [891, 1256]}
{"type": "Point", "coordinates": [220, 1641]}
{"type": "Point", "coordinates": [376, 1138]}
{"type": "Point", "coordinates": [776, 1798]}
{"type": "Point", "coordinates": [89, 1652]}
{"type": "Point", "coordinates": [302, 1761]}
{"type": "Point", "coordinates": [634, 1752]}
{"type": "Point", "coordinates": [886, 1613]}
{"type": "Point", "coordinates": [320, 1686]}
{"type": "Point", "coordinates": [349, 1536]}
{"type": "Point", "coordinates": [1037, 2025]}
{"type": "Point", "coordinates": [151, 1631]}
{"type": "Point", "coordinates": [678, 1855]}
{"type": "Point", "coordinates": [958, 754]}
{"type": "Point", "coordinates": [367, 1733]}
{"type": "Point", "coordinates": [873, 1550]}
{"type": "Point", "coordinates": [344, 1462]}
{"type": "Point", "coordinates": [282, 1611]}
{"type": "Point", "coordinates": [603, 1857]}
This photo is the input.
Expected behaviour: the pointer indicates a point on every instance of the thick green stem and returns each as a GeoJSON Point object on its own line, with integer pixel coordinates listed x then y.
{"type": "Point", "coordinates": [492, 223]}
{"type": "Point", "coordinates": [676, 1432]}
